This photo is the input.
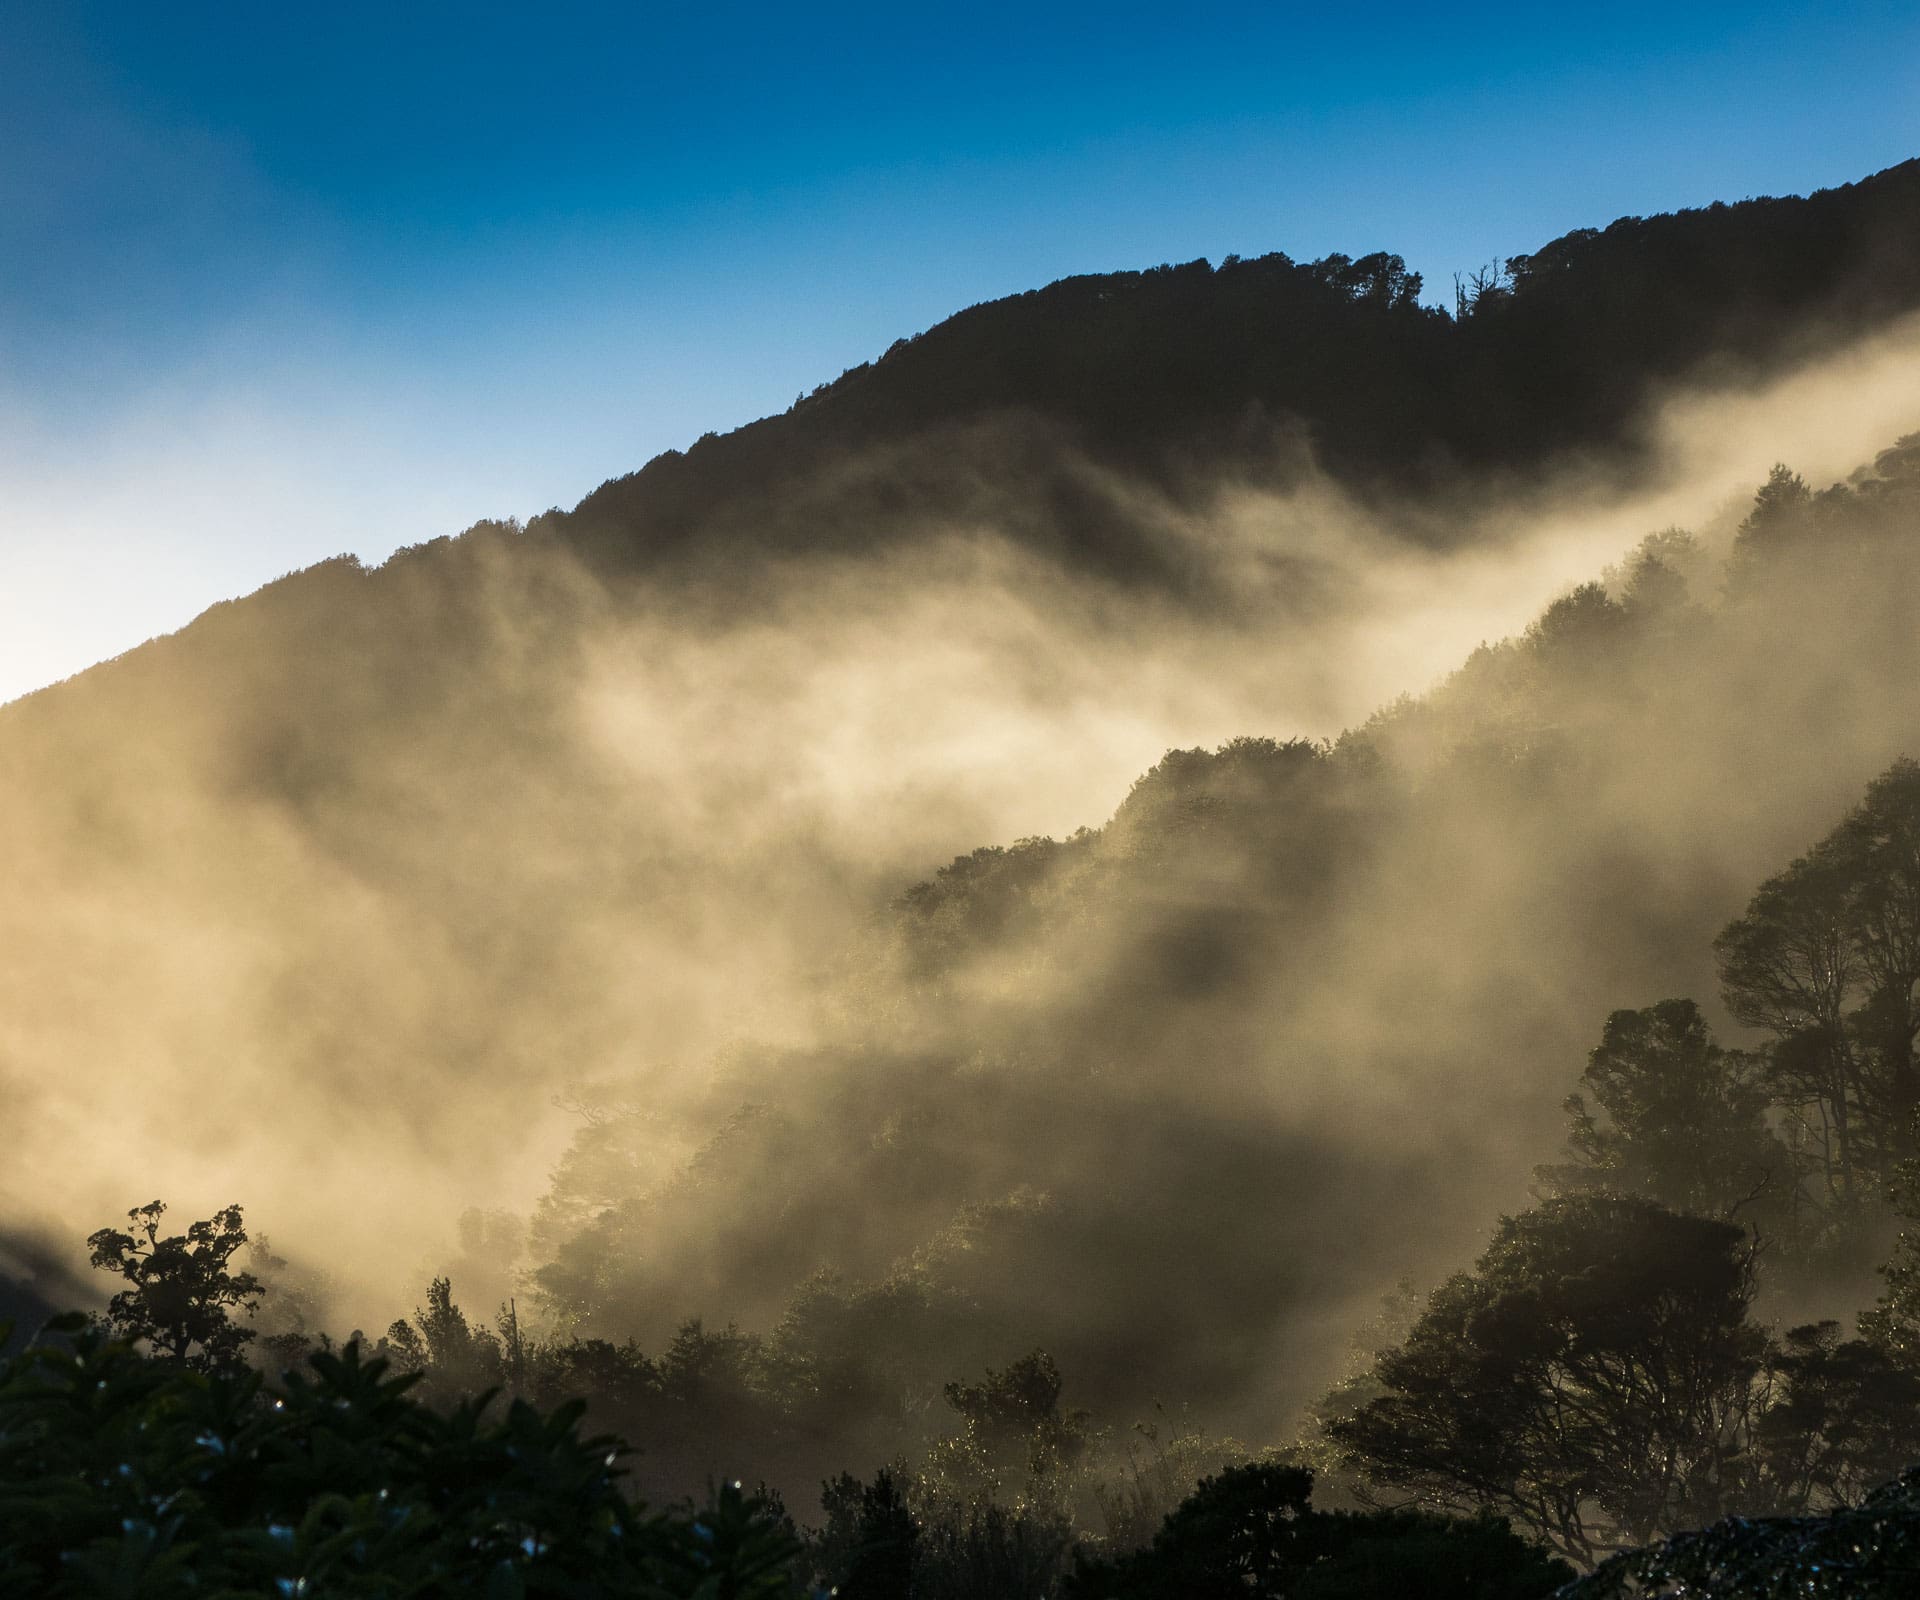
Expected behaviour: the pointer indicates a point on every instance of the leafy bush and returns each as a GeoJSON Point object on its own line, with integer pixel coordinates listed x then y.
{"type": "Point", "coordinates": [1251, 1534]}
{"type": "Point", "coordinates": [1866, 1552]}
{"type": "Point", "coordinates": [125, 1476]}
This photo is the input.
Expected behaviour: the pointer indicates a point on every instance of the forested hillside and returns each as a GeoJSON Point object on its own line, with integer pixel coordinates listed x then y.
{"type": "Point", "coordinates": [1299, 1020]}
{"type": "Point", "coordinates": [1178, 375]}
{"type": "Point", "coordinates": [546, 920]}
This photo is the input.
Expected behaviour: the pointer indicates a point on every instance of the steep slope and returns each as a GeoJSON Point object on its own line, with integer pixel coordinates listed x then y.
{"type": "Point", "coordinates": [1179, 1098]}
{"type": "Point", "coordinates": [319, 903]}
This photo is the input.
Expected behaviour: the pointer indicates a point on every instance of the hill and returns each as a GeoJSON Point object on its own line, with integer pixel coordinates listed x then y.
{"type": "Point", "coordinates": [1181, 375]}
{"type": "Point", "coordinates": [565, 875]}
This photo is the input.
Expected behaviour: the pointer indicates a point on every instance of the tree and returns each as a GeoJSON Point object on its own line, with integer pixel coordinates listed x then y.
{"type": "Point", "coordinates": [181, 1291]}
{"type": "Point", "coordinates": [1481, 289]}
{"type": "Point", "coordinates": [982, 1551]}
{"type": "Point", "coordinates": [1790, 965]}
{"type": "Point", "coordinates": [1684, 1121]}
{"type": "Point", "coordinates": [1657, 580]}
{"type": "Point", "coordinates": [1827, 958]}
{"type": "Point", "coordinates": [458, 1357]}
{"type": "Point", "coordinates": [1014, 1438]}
{"type": "Point", "coordinates": [1249, 1533]}
{"type": "Point", "coordinates": [1780, 521]}
{"type": "Point", "coordinates": [870, 1541]}
{"type": "Point", "coordinates": [1878, 847]}
{"type": "Point", "coordinates": [1842, 1418]}
{"type": "Point", "coordinates": [1894, 1322]}
{"type": "Point", "coordinates": [1594, 1377]}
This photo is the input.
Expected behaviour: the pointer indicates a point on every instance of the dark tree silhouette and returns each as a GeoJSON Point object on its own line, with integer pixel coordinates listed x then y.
{"type": "Point", "coordinates": [1789, 965]}
{"type": "Point", "coordinates": [1843, 1417]}
{"type": "Point", "coordinates": [1879, 846]}
{"type": "Point", "coordinates": [1675, 1119]}
{"type": "Point", "coordinates": [1826, 959]}
{"type": "Point", "coordinates": [181, 1290]}
{"type": "Point", "coordinates": [1594, 1377]}
{"type": "Point", "coordinates": [1251, 1534]}
{"type": "Point", "coordinates": [871, 1541]}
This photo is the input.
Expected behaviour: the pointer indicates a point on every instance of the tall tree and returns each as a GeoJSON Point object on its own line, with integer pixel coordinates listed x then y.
{"type": "Point", "coordinates": [1879, 847]}
{"type": "Point", "coordinates": [1826, 958]}
{"type": "Point", "coordinates": [1790, 965]}
{"type": "Point", "coordinates": [1780, 521]}
{"type": "Point", "coordinates": [1674, 1118]}
{"type": "Point", "coordinates": [181, 1290]}
{"type": "Point", "coordinates": [1594, 1377]}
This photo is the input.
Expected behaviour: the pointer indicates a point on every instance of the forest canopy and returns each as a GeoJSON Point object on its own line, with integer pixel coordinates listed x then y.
{"type": "Point", "coordinates": [540, 932]}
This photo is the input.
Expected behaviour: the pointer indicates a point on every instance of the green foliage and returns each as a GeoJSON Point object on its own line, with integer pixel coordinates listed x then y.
{"type": "Point", "coordinates": [1866, 1552]}
{"type": "Point", "coordinates": [740, 1546]}
{"type": "Point", "coordinates": [124, 1476]}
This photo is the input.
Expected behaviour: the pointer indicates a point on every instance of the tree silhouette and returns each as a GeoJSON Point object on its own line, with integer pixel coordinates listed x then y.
{"type": "Point", "coordinates": [1674, 1118]}
{"type": "Point", "coordinates": [871, 1540]}
{"type": "Point", "coordinates": [1251, 1534]}
{"type": "Point", "coordinates": [1594, 1377]}
{"type": "Point", "coordinates": [181, 1291]}
{"type": "Point", "coordinates": [1826, 958]}
{"type": "Point", "coordinates": [1789, 965]}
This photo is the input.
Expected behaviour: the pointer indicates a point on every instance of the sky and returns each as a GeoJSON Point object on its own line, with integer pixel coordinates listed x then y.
{"type": "Point", "coordinates": [282, 282]}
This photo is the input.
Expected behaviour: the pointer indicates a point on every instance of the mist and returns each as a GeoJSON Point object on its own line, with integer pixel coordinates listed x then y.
{"type": "Point", "coordinates": [343, 902]}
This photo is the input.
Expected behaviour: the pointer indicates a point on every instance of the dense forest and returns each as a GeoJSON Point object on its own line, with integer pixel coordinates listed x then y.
{"type": "Point", "coordinates": [1181, 374]}
{"type": "Point", "coordinates": [1474, 1149]}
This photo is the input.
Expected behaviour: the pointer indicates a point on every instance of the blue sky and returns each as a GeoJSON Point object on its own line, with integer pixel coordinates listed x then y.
{"type": "Point", "coordinates": [278, 282]}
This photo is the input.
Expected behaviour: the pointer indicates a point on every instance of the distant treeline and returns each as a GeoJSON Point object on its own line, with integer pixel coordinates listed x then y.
{"type": "Point", "coordinates": [1181, 374]}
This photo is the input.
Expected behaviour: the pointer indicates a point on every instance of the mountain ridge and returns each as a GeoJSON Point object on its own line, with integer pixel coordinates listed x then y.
{"type": "Point", "coordinates": [1012, 412]}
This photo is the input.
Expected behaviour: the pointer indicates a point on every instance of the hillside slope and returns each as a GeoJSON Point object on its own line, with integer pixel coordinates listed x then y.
{"type": "Point", "coordinates": [1182, 374]}
{"type": "Point", "coordinates": [323, 903]}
